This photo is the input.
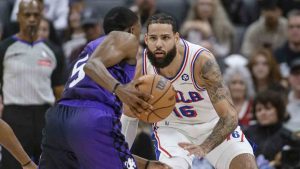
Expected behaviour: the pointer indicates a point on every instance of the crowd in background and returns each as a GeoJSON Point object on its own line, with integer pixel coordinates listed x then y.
{"type": "Point", "coordinates": [256, 43]}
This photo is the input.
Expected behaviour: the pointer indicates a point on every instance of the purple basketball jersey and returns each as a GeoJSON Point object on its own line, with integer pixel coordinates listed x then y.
{"type": "Point", "coordinates": [82, 87]}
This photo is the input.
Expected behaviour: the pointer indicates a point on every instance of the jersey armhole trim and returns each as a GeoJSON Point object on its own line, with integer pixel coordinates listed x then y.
{"type": "Point", "coordinates": [195, 57]}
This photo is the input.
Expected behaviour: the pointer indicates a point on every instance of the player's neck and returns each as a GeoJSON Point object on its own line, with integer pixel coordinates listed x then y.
{"type": "Point", "coordinates": [172, 69]}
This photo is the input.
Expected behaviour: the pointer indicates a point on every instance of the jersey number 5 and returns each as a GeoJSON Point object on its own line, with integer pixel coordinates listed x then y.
{"type": "Point", "coordinates": [78, 70]}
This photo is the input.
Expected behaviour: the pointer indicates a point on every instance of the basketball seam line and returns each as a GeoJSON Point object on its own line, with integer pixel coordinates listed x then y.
{"type": "Point", "coordinates": [159, 109]}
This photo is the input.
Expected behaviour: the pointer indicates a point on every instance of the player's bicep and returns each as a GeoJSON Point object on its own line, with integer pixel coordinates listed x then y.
{"type": "Point", "coordinates": [212, 79]}
{"type": "Point", "coordinates": [116, 47]}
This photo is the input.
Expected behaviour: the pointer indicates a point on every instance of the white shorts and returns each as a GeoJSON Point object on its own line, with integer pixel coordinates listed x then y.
{"type": "Point", "coordinates": [168, 151]}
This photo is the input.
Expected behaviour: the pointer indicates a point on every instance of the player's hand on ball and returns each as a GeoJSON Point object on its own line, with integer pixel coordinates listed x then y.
{"type": "Point", "coordinates": [193, 149]}
{"type": "Point", "coordinates": [158, 165]}
{"type": "Point", "coordinates": [134, 98]}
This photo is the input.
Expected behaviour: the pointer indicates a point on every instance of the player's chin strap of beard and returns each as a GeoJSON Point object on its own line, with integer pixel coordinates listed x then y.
{"type": "Point", "coordinates": [129, 128]}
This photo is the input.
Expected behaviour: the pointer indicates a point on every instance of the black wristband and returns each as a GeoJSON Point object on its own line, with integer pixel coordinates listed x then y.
{"type": "Point", "coordinates": [115, 88]}
{"type": "Point", "coordinates": [147, 164]}
{"type": "Point", "coordinates": [24, 165]}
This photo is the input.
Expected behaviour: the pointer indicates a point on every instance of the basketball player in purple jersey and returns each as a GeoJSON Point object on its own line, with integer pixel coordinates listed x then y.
{"type": "Point", "coordinates": [83, 130]}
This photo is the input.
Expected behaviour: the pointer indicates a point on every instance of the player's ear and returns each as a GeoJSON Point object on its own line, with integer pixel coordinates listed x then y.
{"type": "Point", "coordinates": [146, 39]}
{"type": "Point", "coordinates": [177, 38]}
{"type": "Point", "coordinates": [131, 30]}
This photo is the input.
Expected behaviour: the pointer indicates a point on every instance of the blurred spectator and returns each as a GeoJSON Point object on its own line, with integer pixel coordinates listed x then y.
{"type": "Point", "coordinates": [207, 22]}
{"type": "Point", "coordinates": [242, 12]}
{"type": "Point", "coordinates": [264, 70]}
{"type": "Point", "coordinates": [268, 32]}
{"type": "Point", "coordinates": [74, 34]}
{"type": "Point", "coordinates": [5, 12]}
{"type": "Point", "coordinates": [293, 106]}
{"type": "Point", "coordinates": [176, 8]}
{"type": "Point", "coordinates": [291, 49]}
{"type": "Point", "coordinates": [268, 110]}
{"type": "Point", "coordinates": [238, 79]}
{"type": "Point", "coordinates": [54, 10]}
{"type": "Point", "coordinates": [199, 32]}
{"type": "Point", "coordinates": [288, 5]}
{"type": "Point", "coordinates": [76, 5]}
{"type": "Point", "coordinates": [145, 9]}
{"type": "Point", "coordinates": [31, 79]}
{"type": "Point", "coordinates": [91, 25]}
{"type": "Point", "coordinates": [235, 60]}
{"type": "Point", "coordinates": [47, 31]}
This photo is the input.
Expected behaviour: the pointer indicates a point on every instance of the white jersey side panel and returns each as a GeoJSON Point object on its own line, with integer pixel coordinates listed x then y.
{"type": "Point", "coordinates": [193, 105]}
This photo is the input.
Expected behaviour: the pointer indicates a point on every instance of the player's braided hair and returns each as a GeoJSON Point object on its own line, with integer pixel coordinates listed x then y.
{"type": "Point", "coordinates": [163, 18]}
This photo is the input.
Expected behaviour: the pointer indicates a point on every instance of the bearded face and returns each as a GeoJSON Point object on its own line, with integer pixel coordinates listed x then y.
{"type": "Point", "coordinates": [160, 58]}
{"type": "Point", "coordinates": [161, 44]}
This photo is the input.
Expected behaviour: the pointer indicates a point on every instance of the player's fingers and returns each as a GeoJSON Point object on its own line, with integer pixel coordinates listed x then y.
{"type": "Point", "coordinates": [197, 152]}
{"type": "Point", "coordinates": [193, 152]}
{"type": "Point", "coordinates": [139, 107]}
{"type": "Point", "coordinates": [138, 81]}
{"type": "Point", "coordinates": [183, 144]}
{"type": "Point", "coordinates": [190, 147]}
{"type": "Point", "coordinates": [135, 106]}
{"type": "Point", "coordinates": [145, 96]}
{"type": "Point", "coordinates": [144, 105]}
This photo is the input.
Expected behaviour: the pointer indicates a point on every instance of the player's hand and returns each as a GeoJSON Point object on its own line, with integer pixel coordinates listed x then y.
{"type": "Point", "coordinates": [158, 165]}
{"type": "Point", "coordinates": [30, 166]}
{"type": "Point", "coordinates": [133, 98]}
{"type": "Point", "coordinates": [193, 149]}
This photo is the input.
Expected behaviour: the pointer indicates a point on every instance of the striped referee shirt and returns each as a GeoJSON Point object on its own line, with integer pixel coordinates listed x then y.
{"type": "Point", "coordinates": [29, 71]}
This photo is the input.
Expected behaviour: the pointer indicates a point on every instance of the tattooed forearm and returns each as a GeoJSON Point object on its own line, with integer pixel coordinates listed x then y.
{"type": "Point", "coordinates": [215, 85]}
{"type": "Point", "coordinates": [220, 132]}
{"type": "Point", "coordinates": [221, 99]}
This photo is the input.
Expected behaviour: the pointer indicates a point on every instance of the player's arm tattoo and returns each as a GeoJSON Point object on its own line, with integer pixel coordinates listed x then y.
{"type": "Point", "coordinates": [215, 85]}
{"type": "Point", "coordinates": [221, 99]}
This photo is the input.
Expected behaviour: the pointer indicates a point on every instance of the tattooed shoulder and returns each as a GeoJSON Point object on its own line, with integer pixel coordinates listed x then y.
{"type": "Point", "coordinates": [213, 81]}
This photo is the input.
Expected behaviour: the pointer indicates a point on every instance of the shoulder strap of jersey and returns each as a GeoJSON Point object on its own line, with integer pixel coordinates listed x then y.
{"type": "Point", "coordinates": [194, 58]}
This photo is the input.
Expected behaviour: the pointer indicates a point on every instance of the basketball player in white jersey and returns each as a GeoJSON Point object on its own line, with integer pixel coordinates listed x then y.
{"type": "Point", "coordinates": [204, 122]}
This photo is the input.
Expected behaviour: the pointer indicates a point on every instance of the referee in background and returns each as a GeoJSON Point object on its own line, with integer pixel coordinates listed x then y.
{"type": "Point", "coordinates": [31, 77]}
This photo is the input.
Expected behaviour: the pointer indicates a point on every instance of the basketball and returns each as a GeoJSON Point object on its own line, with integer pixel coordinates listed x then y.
{"type": "Point", "coordinates": [163, 100]}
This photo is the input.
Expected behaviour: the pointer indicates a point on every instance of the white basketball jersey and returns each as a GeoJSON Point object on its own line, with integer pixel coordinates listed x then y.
{"type": "Point", "coordinates": [193, 105]}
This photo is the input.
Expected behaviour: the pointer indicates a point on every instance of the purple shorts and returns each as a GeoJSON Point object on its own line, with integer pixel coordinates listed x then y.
{"type": "Point", "coordinates": [84, 138]}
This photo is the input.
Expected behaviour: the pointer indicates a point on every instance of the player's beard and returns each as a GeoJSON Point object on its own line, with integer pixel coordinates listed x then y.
{"type": "Point", "coordinates": [164, 61]}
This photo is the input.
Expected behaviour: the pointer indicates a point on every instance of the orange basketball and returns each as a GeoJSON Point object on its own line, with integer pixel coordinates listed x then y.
{"type": "Point", "coordinates": [163, 100]}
